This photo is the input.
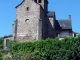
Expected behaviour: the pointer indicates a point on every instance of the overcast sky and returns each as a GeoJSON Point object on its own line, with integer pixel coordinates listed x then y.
{"type": "Point", "coordinates": [62, 8]}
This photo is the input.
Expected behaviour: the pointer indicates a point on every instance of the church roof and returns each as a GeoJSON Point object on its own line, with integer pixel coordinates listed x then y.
{"type": "Point", "coordinates": [63, 24]}
{"type": "Point", "coordinates": [51, 13]}
{"type": "Point", "coordinates": [19, 4]}
{"type": "Point", "coordinates": [7, 36]}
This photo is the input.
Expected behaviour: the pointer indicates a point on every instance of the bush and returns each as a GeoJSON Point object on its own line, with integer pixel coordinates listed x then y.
{"type": "Point", "coordinates": [0, 55]}
{"type": "Point", "coordinates": [49, 49]}
{"type": "Point", "coordinates": [7, 57]}
{"type": "Point", "coordinates": [1, 43]}
{"type": "Point", "coordinates": [1, 47]}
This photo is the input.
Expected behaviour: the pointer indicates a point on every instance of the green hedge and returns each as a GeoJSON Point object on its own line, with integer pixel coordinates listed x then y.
{"type": "Point", "coordinates": [1, 47]}
{"type": "Point", "coordinates": [49, 49]}
{"type": "Point", "coordinates": [0, 55]}
{"type": "Point", "coordinates": [1, 43]}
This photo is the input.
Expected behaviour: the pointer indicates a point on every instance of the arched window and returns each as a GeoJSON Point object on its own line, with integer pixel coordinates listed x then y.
{"type": "Point", "coordinates": [26, 20]}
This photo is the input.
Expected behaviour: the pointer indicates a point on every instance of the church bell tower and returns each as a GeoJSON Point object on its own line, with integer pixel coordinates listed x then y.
{"type": "Point", "coordinates": [43, 3]}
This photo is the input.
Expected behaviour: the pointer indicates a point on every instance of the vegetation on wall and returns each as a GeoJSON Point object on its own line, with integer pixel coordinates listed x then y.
{"type": "Point", "coordinates": [49, 49]}
{"type": "Point", "coordinates": [1, 43]}
{"type": "Point", "coordinates": [1, 48]}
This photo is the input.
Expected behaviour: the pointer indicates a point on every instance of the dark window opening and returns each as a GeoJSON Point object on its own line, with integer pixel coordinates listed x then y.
{"type": "Point", "coordinates": [64, 33]}
{"type": "Point", "coordinates": [7, 43]}
{"type": "Point", "coordinates": [39, 1]}
{"type": "Point", "coordinates": [27, 8]}
{"type": "Point", "coordinates": [35, 1]}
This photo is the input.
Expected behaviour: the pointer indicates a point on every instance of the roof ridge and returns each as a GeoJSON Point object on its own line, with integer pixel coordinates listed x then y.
{"type": "Point", "coordinates": [19, 4]}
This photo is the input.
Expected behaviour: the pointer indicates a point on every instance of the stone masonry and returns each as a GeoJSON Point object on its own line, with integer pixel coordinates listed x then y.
{"type": "Point", "coordinates": [32, 21]}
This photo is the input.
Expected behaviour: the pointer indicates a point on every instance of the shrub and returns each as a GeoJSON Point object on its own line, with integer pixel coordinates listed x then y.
{"type": "Point", "coordinates": [0, 55]}
{"type": "Point", "coordinates": [1, 43]}
{"type": "Point", "coordinates": [7, 57]}
{"type": "Point", "coordinates": [49, 49]}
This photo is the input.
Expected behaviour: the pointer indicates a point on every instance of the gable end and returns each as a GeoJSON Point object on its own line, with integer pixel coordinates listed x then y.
{"type": "Point", "coordinates": [19, 4]}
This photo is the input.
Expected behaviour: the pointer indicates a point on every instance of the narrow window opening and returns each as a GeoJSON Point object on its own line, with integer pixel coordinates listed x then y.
{"type": "Point", "coordinates": [39, 1]}
{"type": "Point", "coordinates": [27, 9]}
{"type": "Point", "coordinates": [7, 43]}
{"type": "Point", "coordinates": [35, 1]}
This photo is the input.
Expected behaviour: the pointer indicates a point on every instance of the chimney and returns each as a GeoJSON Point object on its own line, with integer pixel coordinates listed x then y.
{"type": "Point", "coordinates": [69, 17]}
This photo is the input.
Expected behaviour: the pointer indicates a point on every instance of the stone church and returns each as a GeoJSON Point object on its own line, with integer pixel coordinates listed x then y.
{"type": "Point", "coordinates": [34, 21]}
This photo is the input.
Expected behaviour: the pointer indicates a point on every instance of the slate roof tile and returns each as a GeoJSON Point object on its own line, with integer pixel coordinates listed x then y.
{"type": "Point", "coordinates": [50, 13]}
{"type": "Point", "coordinates": [63, 24]}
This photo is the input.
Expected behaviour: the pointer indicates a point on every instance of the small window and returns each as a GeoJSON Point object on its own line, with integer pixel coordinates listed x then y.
{"type": "Point", "coordinates": [27, 8]}
{"type": "Point", "coordinates": [64, 33]}
{"type": "Point", "coordinates": [39, 1]}
{"type": "Point", "coordinates": [35, 1]}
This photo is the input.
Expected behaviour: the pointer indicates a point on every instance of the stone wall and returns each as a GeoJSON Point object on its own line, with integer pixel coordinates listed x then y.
{"type": "Point", "coordinates": [5, 41]}
{"type": "Point", "coordinates": [51, 27]}
{"type": "Point", "coordinates": [28, 15]}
